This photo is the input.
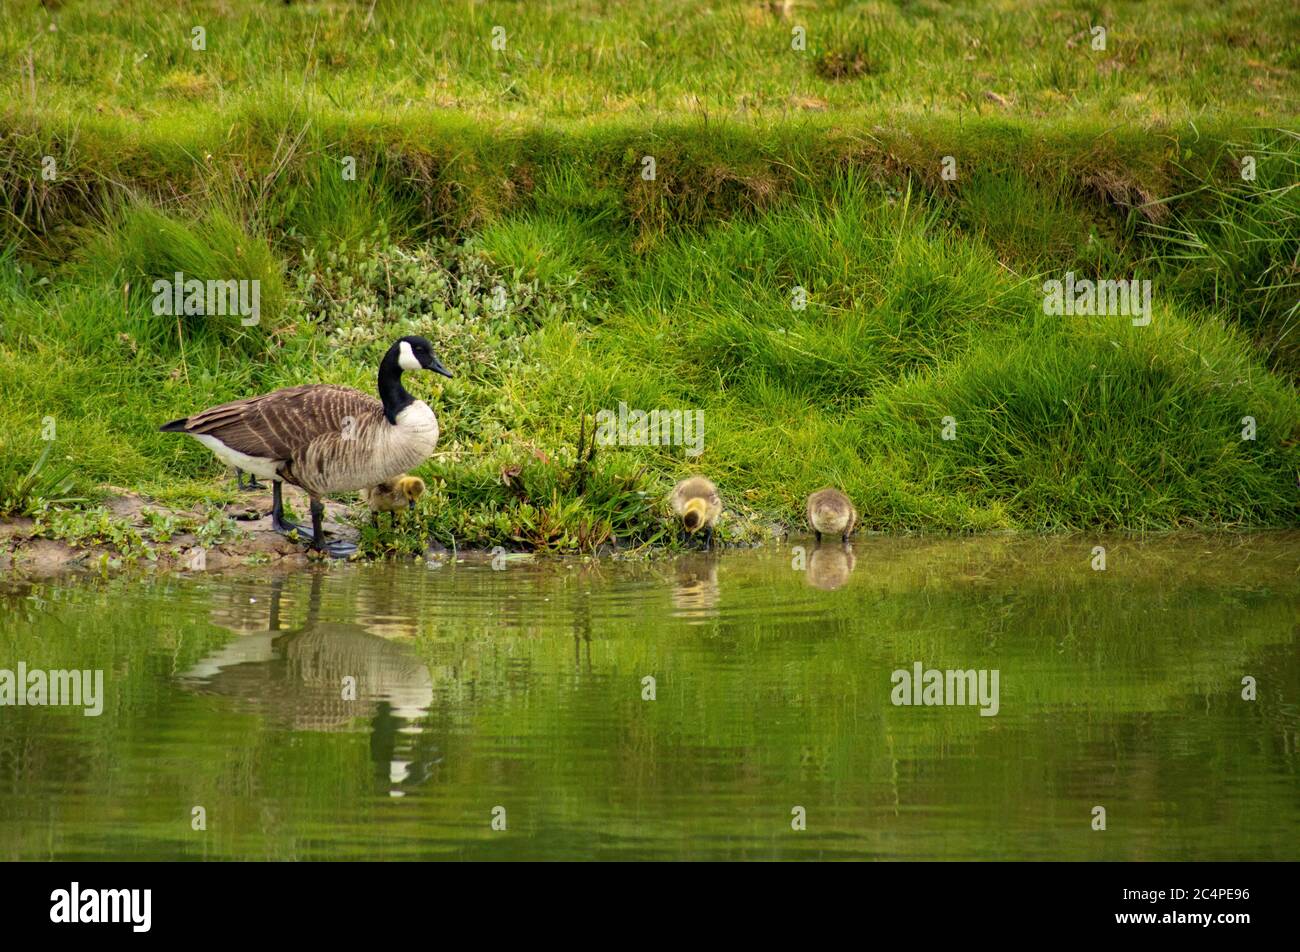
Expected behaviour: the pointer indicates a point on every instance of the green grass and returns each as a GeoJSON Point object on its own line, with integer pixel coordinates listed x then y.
{"type": "Point", "coordinates": [1062, 423]}
{"type": "Point", "coordinates": [523, 171]}
{"type": "Point", "coordinates": [1244, 253]}
{"type": "Point", "coordinates": [582, 59]}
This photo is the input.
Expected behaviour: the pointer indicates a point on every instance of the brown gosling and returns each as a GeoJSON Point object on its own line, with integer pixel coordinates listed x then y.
{"type": "Point", "coordinates": [695, 500]}
{"type": "Point", "coordinates": [393, 495]}
{"type": "Point", "coordinates": [831, 512]}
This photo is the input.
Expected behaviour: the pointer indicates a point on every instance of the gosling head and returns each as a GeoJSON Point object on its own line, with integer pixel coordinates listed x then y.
{"type": "Point", "coordinates": [416, 353]}
{"type": "Point", "coordinates": [693, 514]}
{"type": "Point", "coordinates": [411, 488]}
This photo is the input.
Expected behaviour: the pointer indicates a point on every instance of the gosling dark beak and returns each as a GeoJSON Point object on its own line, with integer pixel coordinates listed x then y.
{"type": "Point", "coordinates": [410, 506]}
{"type": "Point", "coordinates": [436, 366]}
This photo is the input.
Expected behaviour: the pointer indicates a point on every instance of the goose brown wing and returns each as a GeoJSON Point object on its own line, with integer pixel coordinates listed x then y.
{"type": "Point", "coordinates": [280, 425]}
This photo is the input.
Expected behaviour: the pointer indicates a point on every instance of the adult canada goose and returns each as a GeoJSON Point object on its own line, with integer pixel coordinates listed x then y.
{"type": "Point", "coordinates": [830, 511]}
{"type": "Point", "coordinates": [324, 438]}
{"type": "Point", "coordinates": [696, 502]}
{"type": "Point", "coordinates": [394, 495]}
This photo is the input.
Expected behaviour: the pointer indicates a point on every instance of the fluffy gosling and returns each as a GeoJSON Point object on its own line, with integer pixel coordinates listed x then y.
{"type": "Point", "coordinates": [394, 494]}
{"type": "Point", "coordinates": [695, 501]}
{"type": "Point", "coordinates": [831, 512]}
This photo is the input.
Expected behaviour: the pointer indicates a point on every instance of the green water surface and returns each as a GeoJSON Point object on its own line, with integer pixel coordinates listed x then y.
{"type": "Point", "coordinates": [522, 693]}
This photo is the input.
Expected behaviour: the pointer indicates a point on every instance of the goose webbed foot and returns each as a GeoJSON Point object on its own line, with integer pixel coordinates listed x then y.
{"type": "Point", "coordinates": [282, 525]}
{"type": "Point", "coordinates": [252, 486]}
{"type": "Point", "coordinates": [290, 529]}
{"type": "Point", "coordinates": [337, 549]}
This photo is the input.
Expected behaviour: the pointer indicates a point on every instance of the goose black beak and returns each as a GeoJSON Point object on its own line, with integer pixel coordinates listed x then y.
{"type": "Point", "coordinates": [436, 366]}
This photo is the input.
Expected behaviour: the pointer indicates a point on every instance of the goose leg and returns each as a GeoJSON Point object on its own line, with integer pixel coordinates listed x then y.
{"type": "Point", "coordinates": [708, 538]}
{"type": "Point", "coordinates": [251, 486]}
{"type": "Point", "coordinates": [337, 549]}
{"type": "Point", "coordinates": [819, 537]}
{"type": "Point", "coordinates": [278, 522]}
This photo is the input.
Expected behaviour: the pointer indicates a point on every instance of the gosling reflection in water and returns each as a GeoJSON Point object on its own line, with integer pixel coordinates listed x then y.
{"type": "Point", "coordinates": [695, 589]}
{"type": "Point", "coordinates": [829, 566]}
{"type": "Point", "coordinates": [328, 677]}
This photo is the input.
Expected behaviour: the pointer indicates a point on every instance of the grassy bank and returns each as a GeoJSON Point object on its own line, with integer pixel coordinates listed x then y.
{"type": "Point", "coordinates": [578, 59]}
{"type": "Point", "coordinates": [924, 298]}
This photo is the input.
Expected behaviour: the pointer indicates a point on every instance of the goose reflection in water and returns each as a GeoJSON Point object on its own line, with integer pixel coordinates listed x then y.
{"type": "Point", "coordinates": [830, 565]}
{"type": "Point", "coordinates": [695, 587]}
{"type": "Point", "coordinates": [325, 676]}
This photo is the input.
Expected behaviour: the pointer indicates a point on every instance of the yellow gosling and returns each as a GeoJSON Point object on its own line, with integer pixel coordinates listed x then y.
{"type": "Point", "coordinates": [696, 502]}
{"type": "Point", "coordinates": [393, 495]}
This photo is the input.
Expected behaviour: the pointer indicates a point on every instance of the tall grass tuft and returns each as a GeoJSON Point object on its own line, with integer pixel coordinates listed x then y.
{"type": "Point", "coordinates": [139, 244]}
{"type": "Point", "coordinates": [1240, 250]}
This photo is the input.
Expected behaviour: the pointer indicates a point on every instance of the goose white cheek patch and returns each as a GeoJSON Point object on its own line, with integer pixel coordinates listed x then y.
{"type": "Point", "coordinates": [406, 359]}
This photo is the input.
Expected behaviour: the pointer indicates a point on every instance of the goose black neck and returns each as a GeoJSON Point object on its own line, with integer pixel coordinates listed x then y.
{"type": "Point", "coordinates": [391, 391]}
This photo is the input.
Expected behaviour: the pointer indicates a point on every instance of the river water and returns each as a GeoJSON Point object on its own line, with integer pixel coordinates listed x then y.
{"type": "Point", "coordinates": [737, 705]}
